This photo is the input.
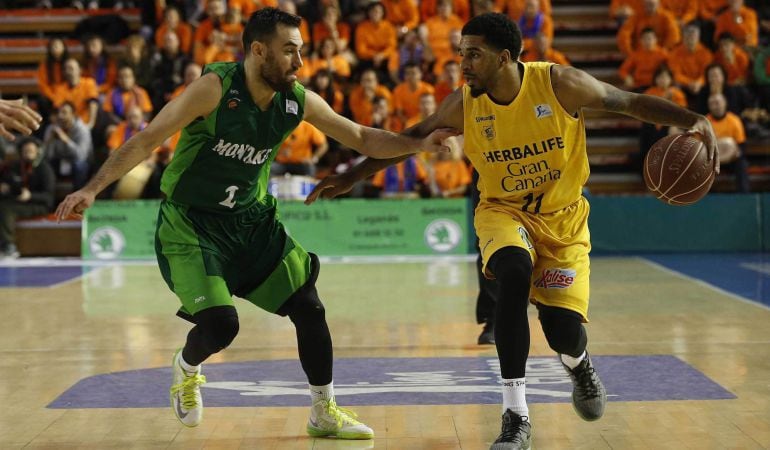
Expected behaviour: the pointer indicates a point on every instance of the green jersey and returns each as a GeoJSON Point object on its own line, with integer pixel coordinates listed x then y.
{"type": "Point", "coordinates": [222, 161]}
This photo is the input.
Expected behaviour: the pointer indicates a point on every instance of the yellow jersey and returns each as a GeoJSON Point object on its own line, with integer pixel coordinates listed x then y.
{"type": "Point", "coordinates": [531, 153]}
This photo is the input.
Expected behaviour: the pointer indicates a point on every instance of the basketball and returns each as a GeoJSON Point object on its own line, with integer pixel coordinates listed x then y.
{"type": "Point", "coordinates": [677, 170]}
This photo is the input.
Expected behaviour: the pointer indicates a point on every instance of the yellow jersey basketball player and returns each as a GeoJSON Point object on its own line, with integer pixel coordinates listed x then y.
{"type": "Point", "coordinates": [524, 132]}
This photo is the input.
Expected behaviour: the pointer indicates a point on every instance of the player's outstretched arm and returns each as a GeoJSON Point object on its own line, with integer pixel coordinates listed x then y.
{"type": "Point", "coordinates": [16, 116]}
{"type": "Point", "coordinates": [198, 100]}
{"type": "Point", "coordinates": [448, 117]}
{"type": "Point", "coordinates": [576, 89]}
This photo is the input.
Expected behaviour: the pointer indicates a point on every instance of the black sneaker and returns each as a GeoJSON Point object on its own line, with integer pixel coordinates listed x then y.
{"type": "Point", "coordinates": [588, 394]}
{"type": "Point", "coordinates": [487, 335]}
{"type": "Point", "coordinates": [516, 433]}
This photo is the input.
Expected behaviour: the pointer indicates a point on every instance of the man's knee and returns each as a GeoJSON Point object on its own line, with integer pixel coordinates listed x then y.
{"type": "Point", "coordinates": [563, 329]}
{"type": "Point", "coordinates": [305, 305]}
{"type": "Point", "coordinates": [511, 264]}
{"type": "Point", "coordinates": [218, 327]}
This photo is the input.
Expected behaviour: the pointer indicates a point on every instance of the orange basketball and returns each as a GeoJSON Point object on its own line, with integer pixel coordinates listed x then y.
{"type": "Point", "coordinates": [677, 170]}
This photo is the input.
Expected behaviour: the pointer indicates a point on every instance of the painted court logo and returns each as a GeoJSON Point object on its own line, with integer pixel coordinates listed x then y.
{"type": "Point", "coordinates": [106, 243]}
{"type": "Point", "coordinates": [555, 279]}
{"type": "Point", "coordinates": [442, 235]}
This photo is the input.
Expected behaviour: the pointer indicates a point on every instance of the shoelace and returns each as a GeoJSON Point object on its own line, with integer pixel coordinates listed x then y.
{"type": "Point", "coordinates": [340, 414]}
{"type": "Point", "coordinates": [585, 379]}
{"type": "Point", "coordinates": [189, 399]}
{"type": "Point", "coordinates": [511, 426]}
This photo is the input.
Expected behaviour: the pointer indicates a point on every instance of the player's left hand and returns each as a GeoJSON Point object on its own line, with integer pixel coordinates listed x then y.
{"type": "Point", "coordinates": [16, 116]}
{"type": "Point", "coordinates": [330, 187]}
{"type": "Point", "coordinates": [434, 142]}
{"type": "Point", "coordinates": [706, 131]}
{"type": "Point", "coordinates": [75, 203]}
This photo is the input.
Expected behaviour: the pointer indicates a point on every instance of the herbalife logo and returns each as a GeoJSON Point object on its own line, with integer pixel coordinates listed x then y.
{"type": "Point", "coordinates": [443, 235]}
{"type": "Point", "coordinates": [106, 243]}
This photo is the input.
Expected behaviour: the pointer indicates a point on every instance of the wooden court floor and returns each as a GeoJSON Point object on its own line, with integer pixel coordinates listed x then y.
{"type": "Point", "coordinates": [120, 318]}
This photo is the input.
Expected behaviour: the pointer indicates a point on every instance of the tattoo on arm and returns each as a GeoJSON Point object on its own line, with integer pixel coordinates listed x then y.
{"type": "Point", "coordinates": [649, 109]}
{"type": "Point", "coordinates": [616, 101]}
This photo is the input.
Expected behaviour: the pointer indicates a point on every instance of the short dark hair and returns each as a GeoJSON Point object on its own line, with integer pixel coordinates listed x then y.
{"type": "Point", "coordinates": [28, 140]}
{"type": "Point", "coordinates": [262, 24]}
{"type": "Point", "coordinates": [498, 31]}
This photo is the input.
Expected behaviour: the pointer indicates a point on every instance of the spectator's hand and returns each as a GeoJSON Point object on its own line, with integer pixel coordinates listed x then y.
{"type": "Point", "coordinates": [24, 196]}
{"type": "Point", "coordinates": [330, 187]}
{"type": "Point", "coordinates": [628, 82]}
{"type": "Point", "coordinates": [75, 204]}
{"type": "Point", "coordinates": [61, 134]}
{"type": "Point", "coordinates": [706, 131]}
{"type": "Point", "coordinates": [16, 116]}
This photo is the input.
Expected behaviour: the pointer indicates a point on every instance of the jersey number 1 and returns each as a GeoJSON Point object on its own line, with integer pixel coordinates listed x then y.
{"type": "Point", "coordinates": [529, 198]}
{"type": "Point", "coordinates": [230, 196]}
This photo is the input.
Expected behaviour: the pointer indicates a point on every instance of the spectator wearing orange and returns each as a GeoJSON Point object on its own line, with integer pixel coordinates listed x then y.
{"type": "Point", "coordinates": [638, 69]}
{"type": "Point", "coordinates": [450, 81]}
{"type": "Point", "coordinates": [449, 175]}
{"type": "Point", "coordinates": [133, 123]}
{"type": "Point", "coordinates": [375, 38]}
{"type": "Point", "coordinates": [300, 152]}
{"type": "Point", "coordinates": [50, 70]}
{"type": "Point", "coordinates": [688, 61]}
{"type": "Point", "coordinates": [248, 7]}
{"type": "Point", "coordinates": [407, 179]}
{"type": "Point", "coordinates": [542, 51]}
{"type": "Point", "coordinates": [738, 97]}
{"type": "Point", "coordinates": [427, 108]}
{"type": "Point", "coordinates": [191, 73]}
{"type": "Point", "coordinates": [215, 12]}
{"type": "Point", "coordinates": [621, 10]}
{"type": "Point", "coordinates": [79, 90]}
{"type": "Point", "coordinates": [739, 21]}
{"type": "Point", "coordinates": [138, 58]}
{"type": "Point", "coordinates": [455, 36]}
{"type": "Point", "coordinates": [515, 8]}
{"type": "Point", "coordinates": [650, 133]}
{"type": "Point", "coordinates": [406, 96]}
{"type": "Point", "coordinates": [98, 64]}
{"type": "Point", "coordinates": [731, 138]}
{"type": "Point", "coordinates": [362, 96]}
{"type": "Point", "coordinates": [217, 50]}
{"type": "Point", "coordinates": [403, 14]}
{"type": "Point", "coordinates": [653, 17]}
{"type": "Point", "coordinates": [326, 58]}
{"type": "Point", "coordinates": [125, 95]}
{"type": "Point", "coordinates": [438, 29]}
{"type": "Point", "coordinates": [411, 50]}
{"type": "Point", "coordinates": [290, 7]}
{"type": "Point", "coordinates": [708, 10]}
{"type": "Point", "coordinates": [168, 70]}
{"type": "Point", "coordinates": [534, 22]}
{"type": "Point", "coordinates": [331, 26]}
{"type": "Point", "coordinates": [172, 21]}
{"type": "Point", "coordinates": [383, 117]}
{"type": "Point", "coordinates": [429, 8]}
{"type": "Point", "coordinates": [684, 11]}
{"type": "Point", "coordinates": [733, 59]}
{"type": "Point", "coordinates": [322, 83]}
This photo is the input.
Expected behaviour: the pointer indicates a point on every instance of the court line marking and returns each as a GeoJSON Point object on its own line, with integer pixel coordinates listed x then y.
{"type": "Point", "coordinates": [701, 283]}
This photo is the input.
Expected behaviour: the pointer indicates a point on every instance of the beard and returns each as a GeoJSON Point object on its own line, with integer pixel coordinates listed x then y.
{"type": "Point", "coordinates": [477, 91]}
{"type": "Point", "coordinates": [277, 80]}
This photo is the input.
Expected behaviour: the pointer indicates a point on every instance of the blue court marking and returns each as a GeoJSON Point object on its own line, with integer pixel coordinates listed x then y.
{"type": "Point", "coordinates": [743, 274]}
{"type": "Point", "coordinates": [396, 381]}
{"type": "Point", "coordinates": [36, 276]}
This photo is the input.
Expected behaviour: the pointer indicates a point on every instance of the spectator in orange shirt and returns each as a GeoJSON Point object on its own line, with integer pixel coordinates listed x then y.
{"type": "Point", "coordinates": [411, 50]}
{"type": "Point", "coordinates": [739, 21]}
{"type": "Point", "coordinates": [137, 57]}
{"type": "Point", "coordinates": [217, 50]}
{"type": "Point", "coordinates": [455, 36]}
{"type": "Point", "coordinates": [403, 14]}
{"type": "Point", "coordinates": [438, 29]}
{"type": "Point", "coordinates": [248, 7]}
{"type": "Point", "coordinates": [621, 10]}
{"type": "Point", "coordinates": [215, 16]}
{"type": "Point", "coordinates": [407, 179]}
{"type": "Point", "coordinates": [653, 17]}
{"type": "Point", "coordinates": [362, 96]}
{"type": "Point", "coordinates": [733, 59]}
{"type": "Point", "coordinates": [173, 22]}
{"type": "Point", "coordinates": [331, 26]}
{"type": "Point", "coordinates": [406, 96]}
{"type": "Point", "coordinates": [383, 117]}
{"type": "Point", "coordinates": [708, 10]}
{"type": "Point", "coordinates": [542, 51]}
{"type": "Point", "coordinates": [684, 11]}
{"type": "Point", "coordinates": [191, 73]}
{"type": "Point", "coordinates": [451, 80]}
{"type": "Point", "coordinates": [98, 64]}
{"type": "Point", "coordinates": [651, 133]}
{"type": "Point", "coordinates": [300, 152]}
{"type": "Point", "coordinates": [326, 58]}
{"type": "Point", "coordinates": [50, 70]}
{"type": "Point", "coordinates": [322, 84]}
{"type": "Point", "coordinates": [125, 95]}
{"type": "Point", "coordinates": [375, 39]}
{"type": "Point", "coordinates": [688, 61]}
{"type": "Point", "coordinates": [427, 108]}
{"type": "Point", "coordinates": [429, 8]}
{"type": "Point", "coordinates": [515, 8]}
{"type": "Point", "coordinates": [79, 90]}
{"type": "Point", "coordinates": [133, 123]}
{"type": "Point", "coordinates": [449, 175]}
{"type": "Point", "coordinates": [731, 139]}
{"type": "Point", "coordinates": [638, 69]}
{"type": "Point", "coordinates": [534, 22]}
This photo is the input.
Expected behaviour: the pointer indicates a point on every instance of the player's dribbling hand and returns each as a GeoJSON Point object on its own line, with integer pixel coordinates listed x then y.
{"type": "Point", "coordinates": [330, 187]}
{"type": "Point", "coordinates": [16, 116]}
{"type": "Point", "coordinates": [74, 204]}
{"type": "Point", "coordinates": [704, 129]}
{"type": "Point", "coordinates": [434, 142]}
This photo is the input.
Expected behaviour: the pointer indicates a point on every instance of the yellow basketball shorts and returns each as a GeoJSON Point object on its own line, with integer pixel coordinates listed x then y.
{"type": "Point", "coordinates": [558, 243]}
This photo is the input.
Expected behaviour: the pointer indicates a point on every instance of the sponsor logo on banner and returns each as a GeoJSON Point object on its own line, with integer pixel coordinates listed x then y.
{"type": "Point", "coordinates": [555, 279]}
{"type": "Point", "coordinates": [106, 243]}
{"type": "Point", "coordinates": [443, 235]}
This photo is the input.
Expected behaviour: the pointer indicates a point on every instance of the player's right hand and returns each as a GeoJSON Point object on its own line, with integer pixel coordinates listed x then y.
{"type": "Point", "coordinates": [16, 116]}
{"type": "Point", "coordinates": [706, 131]}
{"type": "Point", "coordinates": [75, 204]}
{"type": "Point", "coordinates": [330, 187]}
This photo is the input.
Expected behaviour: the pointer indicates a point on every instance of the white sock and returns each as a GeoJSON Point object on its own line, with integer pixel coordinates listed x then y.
{"type": "Point", "coordinates": [189, 368]}
{"type": "Point", "coordinates": [572, 362]}
{"type": "Point", "coordinates": [321, 392]}
{"type": "Point", "coordinates": [513, 396]}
